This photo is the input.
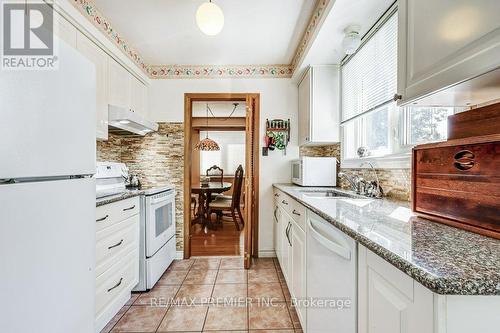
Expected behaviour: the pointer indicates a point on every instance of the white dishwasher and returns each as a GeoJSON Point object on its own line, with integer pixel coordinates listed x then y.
{"type": "Point", "coordinates": [331, 278]}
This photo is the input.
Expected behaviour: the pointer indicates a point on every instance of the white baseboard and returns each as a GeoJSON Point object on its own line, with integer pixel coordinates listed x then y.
{"type": "Point", "coordinates": [267, 254]}
{"type": "Point", "coordinates": [179, 254]}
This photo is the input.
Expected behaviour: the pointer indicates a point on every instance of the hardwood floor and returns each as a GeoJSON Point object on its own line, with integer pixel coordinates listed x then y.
{"type": "Point", "coordinates": [225, 241]}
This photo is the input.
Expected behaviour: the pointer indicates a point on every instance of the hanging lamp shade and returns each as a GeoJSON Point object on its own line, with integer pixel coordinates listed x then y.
{"type": "Point", "coordinates": [207, 144]}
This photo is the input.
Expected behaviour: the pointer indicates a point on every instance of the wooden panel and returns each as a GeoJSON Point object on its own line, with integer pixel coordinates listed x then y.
{"type": "Point", "coordinates": [219, 123]}
{"type": "Point", "coordinates": [450, 160]}
{"type": "Point", "coordinates": [460, 190]}
{"type": "Point", "coordinates": [480, 121]}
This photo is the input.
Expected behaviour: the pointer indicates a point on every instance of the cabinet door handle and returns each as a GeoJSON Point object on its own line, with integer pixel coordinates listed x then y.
{"type": "Point", "coordinates": [116, 245]}
{"type": "Point", "coordinates": [295, 212]}
{"type": "Point", "coordinates": [276, 195]}
{"type": "Point", "coordinates": [284, 202]}
{"type": "Point", "coordinates": [116, 285]}
{"type": "Point", "coordinates": [130, 208]}
{"type": "Point", "coordinates": [464, 160]}
{"type": "Point", "coordinates": [102, 218]}
{"type": "Point", "coordinates": [275, 211]}
{"type": "Point", "coordinates": [288, 233]}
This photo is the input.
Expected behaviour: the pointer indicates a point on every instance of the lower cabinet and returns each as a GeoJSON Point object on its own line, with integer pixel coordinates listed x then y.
{"type": "Point", "coordinates": [389, 301]}
{"type": "Point", "coordinates": [117, 257]}
{"type": "Point", "coordinates": [298, 268]}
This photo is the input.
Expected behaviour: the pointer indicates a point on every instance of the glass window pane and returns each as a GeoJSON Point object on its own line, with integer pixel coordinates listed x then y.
{"type": "Point", "coordinates": [427, 124]}
{"type": "Point", "coordinates": [350, 140]}
{"type": "Point", "coordinates": [376, 131]}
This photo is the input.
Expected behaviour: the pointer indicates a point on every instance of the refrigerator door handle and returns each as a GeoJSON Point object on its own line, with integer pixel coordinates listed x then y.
{"type": "Point", "coordinates": [102, 218]}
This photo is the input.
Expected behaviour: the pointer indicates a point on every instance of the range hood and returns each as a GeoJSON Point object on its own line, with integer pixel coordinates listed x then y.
{"type": "Point", "coordinates": [124, 121]}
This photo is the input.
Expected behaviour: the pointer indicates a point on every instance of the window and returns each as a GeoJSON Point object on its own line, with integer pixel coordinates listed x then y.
{"type": "Point", "coordinates": [230, 155]}
{"type": "Point", "coordinates": [370, 117]}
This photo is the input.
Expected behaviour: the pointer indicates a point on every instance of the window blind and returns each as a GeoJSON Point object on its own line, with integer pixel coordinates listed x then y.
{"type": "Point", "coordinates": [369, 78]}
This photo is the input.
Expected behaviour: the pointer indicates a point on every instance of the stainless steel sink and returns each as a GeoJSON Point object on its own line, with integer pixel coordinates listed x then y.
{"type": "Point", "coordinates": [330, 194]}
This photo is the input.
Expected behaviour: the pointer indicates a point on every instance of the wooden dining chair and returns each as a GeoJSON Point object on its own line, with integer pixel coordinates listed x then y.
{"type": "Point", "coordinates": [221, 205]}
{"type": "Point", "coordinates": [216, 172]}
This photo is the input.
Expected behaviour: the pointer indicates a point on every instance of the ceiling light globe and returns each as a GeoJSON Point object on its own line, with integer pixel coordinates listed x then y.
{"type": "Point", "coordinates": [210, 19]}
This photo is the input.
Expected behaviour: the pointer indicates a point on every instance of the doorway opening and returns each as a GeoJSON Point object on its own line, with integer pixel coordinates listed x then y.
{"type": "Point", "coordinates": [221, 175]}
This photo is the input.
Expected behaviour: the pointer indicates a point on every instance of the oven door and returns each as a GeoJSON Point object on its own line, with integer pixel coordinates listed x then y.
{"type": "Point", "coordinates": [297, 172]}
{"type": "Point", "coordinates": [160, 220]}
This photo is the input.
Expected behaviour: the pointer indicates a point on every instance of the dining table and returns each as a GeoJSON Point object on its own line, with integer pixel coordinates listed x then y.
{"type": "Point", "coordinates": [204, 192]}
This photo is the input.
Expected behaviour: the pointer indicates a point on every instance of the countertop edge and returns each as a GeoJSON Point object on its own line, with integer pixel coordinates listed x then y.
{"type": "Point", "coordinates": [435, 284]}
{"type": "Point", "coordinates": [114, 198]}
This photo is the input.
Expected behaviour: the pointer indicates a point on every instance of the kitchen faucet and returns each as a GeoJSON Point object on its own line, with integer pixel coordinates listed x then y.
{"type": "Point", "coordinates": [361, 186]}
{"type": "Point", "coordinates": [373, 189]}
{"type": "Point", "coordinates": [357, 183]}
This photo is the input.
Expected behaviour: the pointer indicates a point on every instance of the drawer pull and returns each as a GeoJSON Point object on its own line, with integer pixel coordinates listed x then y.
{"type": "Point", "coordinates": [102, 218]}
{"type": "Point", "coordinates": [276, 195]}
{"type": "Point", "coordinates": [130, 208]}
{"type": "Point", "coordinates": [116, 245]}
{"type": "Point", "coordinates": [295, 212]}
{"type": "Point", "coordinates": [116, 285]}
{"type": "Point", "coordinates": [464, 160]}
{"type": "Point", "coordinates": [284, 202]}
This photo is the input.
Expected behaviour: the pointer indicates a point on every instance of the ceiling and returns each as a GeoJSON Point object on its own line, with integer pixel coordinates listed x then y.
{"type": "Point", "coordinates": [327, 47]}
{"type": "Point", "coordinates": [255, 31]}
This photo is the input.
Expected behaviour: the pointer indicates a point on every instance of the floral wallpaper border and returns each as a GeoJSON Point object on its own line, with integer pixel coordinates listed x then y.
{"type": "Point", "coordinates": [219, 71]}
{"type": "Point", "coordinates": [305, 41]}
{"type": "Point", "coordinates": [90, 11]}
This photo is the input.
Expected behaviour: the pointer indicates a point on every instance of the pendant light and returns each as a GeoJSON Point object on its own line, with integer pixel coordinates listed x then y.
{"type": "Point", "coordinates": [210, 18]}
{"type": "Point", "coordinates": [207, 144]}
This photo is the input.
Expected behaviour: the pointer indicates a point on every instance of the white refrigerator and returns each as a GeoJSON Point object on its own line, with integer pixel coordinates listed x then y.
{"type": "Point", "coordinates": [47, 197]}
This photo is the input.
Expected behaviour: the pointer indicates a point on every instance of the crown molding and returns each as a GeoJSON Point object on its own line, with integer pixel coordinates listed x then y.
{"type": "Point", "coordinates": [219, 71]}
{"type": "Point", "coordinates": [90, 11]}
{"type": "Point", "coordinates": [92, 14]}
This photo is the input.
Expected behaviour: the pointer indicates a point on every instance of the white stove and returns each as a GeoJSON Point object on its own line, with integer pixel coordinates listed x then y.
{"type": "Point", "coordinates": [110, 178]}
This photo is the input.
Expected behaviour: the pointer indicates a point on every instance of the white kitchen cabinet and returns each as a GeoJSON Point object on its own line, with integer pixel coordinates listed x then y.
{"type": "Point", "coordinates": [285, 261]}
{"type": "Point", "coordinates": [298, 268]}
{"type": "Point", "coordinates": [319, 112]}
{"type": "Point", "coordinates": [138, 96]}
{"type": "Point", "coordinates": [119, 85]}
{"type": "Point", "coordinates": [277, 229]}
{"type": "Point", "coordinates": [65, 30]}
{"type": "Point", "coordinates": [389, 301]}
{"type": "Point", "coordinates": [117, 257]}
{"type": "Point", "coordinates": [442, 43]}
{"type": "Point", "coordinates": [100, 59]}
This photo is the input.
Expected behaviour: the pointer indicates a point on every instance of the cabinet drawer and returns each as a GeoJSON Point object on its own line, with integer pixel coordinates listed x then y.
{"type": "Point", "coordinates": [298, 214]}
{"type": "Point", "coordinates": [480, 159]}
{"type": "Point", "coordinates": [122, 276]}
{"type": "Point", "coordinates": [113, 242]}
{"type": "Point", "coordinates": [115, 212]}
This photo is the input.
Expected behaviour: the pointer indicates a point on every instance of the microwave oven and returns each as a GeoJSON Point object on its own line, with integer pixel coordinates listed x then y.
{"type": "Point", "coordinates": [315, 171]}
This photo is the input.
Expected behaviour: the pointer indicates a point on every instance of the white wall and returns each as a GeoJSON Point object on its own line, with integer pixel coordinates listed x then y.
{"type": "Point", "coordinates": [278, 99]}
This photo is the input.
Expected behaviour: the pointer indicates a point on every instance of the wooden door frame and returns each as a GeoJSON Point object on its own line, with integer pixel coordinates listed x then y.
{"type": "Point", "coordinates": [189, 98]}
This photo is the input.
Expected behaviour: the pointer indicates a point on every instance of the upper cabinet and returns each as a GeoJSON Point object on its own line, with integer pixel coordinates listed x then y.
{"type": "Point", "coordinates": [442, 43]}
{"type": "Point", "coordinates": [65, 30]}
{"type": "Point", "coordinates": [100, 59]}
{"type": "Point", "coordinates": [319, 113]}
{"type": "Point", "coordinates": [126, 90]}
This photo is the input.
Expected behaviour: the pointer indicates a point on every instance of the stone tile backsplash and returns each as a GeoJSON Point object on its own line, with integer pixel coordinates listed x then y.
{"type": "Point", "coordinates": [396, 183]}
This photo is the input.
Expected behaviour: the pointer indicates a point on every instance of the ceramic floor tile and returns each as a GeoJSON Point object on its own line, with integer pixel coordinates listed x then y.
{"type": "Point", "coordinates": [232, 276]}
{"type": "Point", "coordinates": [206, 264]}
{"type": "Point", "coordinates": [231, 263]}
{"type": "Point", "coordinates": [221, 317]}
{"type": "Point", "coordinates": [286, 292]}
{"type": "Point", "coordinates": [194, 293]}
{"type": "Point", "coordinates": [184, 319]}
{"type": "Point", "coordinates": [140, 319]}
{"type": "Point", "coordinates": [236, 293]}
{"type": "Point", "coordinates": [294, 316]}
{"type": "Point", "coordinates": [115, 319]}
{"type": "Point", "coordinates": [260, 263]}
{"type": "Point", "coordinates": [269, 317]}
{"type": "Point", "coordinates": [266, 291]}
{"type": "Point", "coordinates": [172, 278]}
{"type": "Point", "coordinates": [158, 296]}
{"type": "Point", "coordinates": [133, 298]}
{"type": "Point", "coordinates": [262, 276]}
{"type": "Point", "coordinates": [200, 277]}
{"type": "Point", "coordinates": [181, 265]}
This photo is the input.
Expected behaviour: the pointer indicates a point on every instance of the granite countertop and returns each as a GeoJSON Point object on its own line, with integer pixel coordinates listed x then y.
{"type": "Point", "coordinates": [117, 197]}
{"type": "Point", "coordinates": [444, 259]}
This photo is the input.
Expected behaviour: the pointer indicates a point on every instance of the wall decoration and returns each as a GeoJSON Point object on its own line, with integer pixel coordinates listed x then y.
{"type": "Point", "coordinates": [215, 71]}
{"type": "Point", "coordinates": [277, 135]}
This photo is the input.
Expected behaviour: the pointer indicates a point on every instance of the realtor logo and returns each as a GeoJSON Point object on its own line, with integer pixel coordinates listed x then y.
{"type": "Point", "coordinates": [28, 38]}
